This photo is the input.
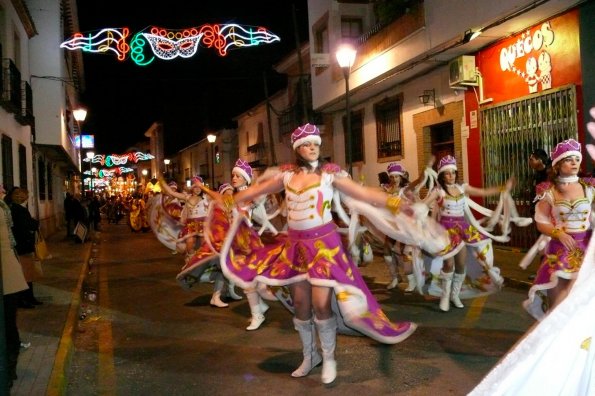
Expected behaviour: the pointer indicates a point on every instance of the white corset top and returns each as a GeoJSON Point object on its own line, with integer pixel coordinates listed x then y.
{"type": "Point", "coordinates": [572, 216]}
{"type": "Point", "coordinates": [311, 206]}
{"type": "Point", "coordinates": [199, 210]}
{"type": "Point", "coordinates": [452, 206]}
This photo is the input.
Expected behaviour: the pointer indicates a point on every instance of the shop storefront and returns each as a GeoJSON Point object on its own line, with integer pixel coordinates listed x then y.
{"type": "Point", "coordinates": [531, 86]}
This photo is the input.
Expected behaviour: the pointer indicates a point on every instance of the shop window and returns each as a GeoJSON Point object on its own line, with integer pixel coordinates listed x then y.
{"type": "Point", "coordinates": [388, 128]}
{"type": "Point", "coordinates": [49, 181]}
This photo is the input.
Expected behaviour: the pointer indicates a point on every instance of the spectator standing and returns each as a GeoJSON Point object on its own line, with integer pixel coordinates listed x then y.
{"type": "Point", "coordinates": [69, 214]}
{"type": "Point", "coordinates": [24, 228]}
{"type": "Point", "coordinates": [13, 281]}
{"type": "Point", "coordinates": [94, 212]}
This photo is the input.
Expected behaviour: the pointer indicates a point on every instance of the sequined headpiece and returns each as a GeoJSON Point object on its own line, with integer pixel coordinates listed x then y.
{"type": "Point", "coordinates": [305, 133]}
{"type": "Point", "coordinates": [244, 169]}
{"type": "Point", "coordinates": [447, 163]}
{"type": "Point", "coordinates": [224, 187]}
{"type": "Point", "coordinates": [565, 149]}
{"type": "Point", "coordinates": [196, 179]}
{"type": "Point", "coordinates": [395, 169]}
{"type": "Point", "coordinates": [173, 184]}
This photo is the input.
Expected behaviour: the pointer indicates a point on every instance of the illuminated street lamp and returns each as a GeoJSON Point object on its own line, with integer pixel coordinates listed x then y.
{"type": "Point", "coordinates": [346, 58]}
{"type": "Point", "coordinates": [167, 161]}
{"type": "Point", "coordinates": [212, 138]}
{"type": "Point", "coordinates": [145, 173]}
{"type": "Point", "coordinates": [80, 115]}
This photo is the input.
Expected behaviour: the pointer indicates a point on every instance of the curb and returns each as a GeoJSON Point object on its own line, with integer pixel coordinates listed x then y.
{"type": "Point", "coordinates": [517, 284]}
{"type": "Point", "coordinates": [58, 381]}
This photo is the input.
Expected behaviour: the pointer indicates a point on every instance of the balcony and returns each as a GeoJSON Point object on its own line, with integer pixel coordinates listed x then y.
{"type": "Point", "coordinates": [17, 95]}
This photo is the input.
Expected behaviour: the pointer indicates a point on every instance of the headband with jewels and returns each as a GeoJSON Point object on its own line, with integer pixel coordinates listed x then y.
{"type": "Point", "coordinates": [173, 184]}
{"type": "Point", "coordinates": [224, 187]}
{"type": "Point", "coordinates": [565, 149]}
{"type": "Point", "coordinates": [447, 163]}
{"type": "Point", "coordinates": [395, 169]}
{"type": "Point", "coordinates": [304, 134]}
{"type": "Point", "coordinates": [244, 169]}
{"type": "Point", "coordinates": [196, 179]}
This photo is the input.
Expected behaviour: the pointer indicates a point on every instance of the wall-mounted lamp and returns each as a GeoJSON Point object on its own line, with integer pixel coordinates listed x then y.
{"type": "Point", "coordinates": [427, 96]}
{"type": "Point", "coordinates": [470, 35]}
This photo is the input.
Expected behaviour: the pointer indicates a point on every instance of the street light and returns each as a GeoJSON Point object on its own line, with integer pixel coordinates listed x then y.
{"type": "Point", "coordinates": [145, 173]}
{"type": "Point", "coordinates": [166, 162]}
{"type": "Point", "coordinates": [346, 57]}
{"type": "Point", "coordinates": [79, 115]}
{"type": "Point", "coordinates": [212, 138]}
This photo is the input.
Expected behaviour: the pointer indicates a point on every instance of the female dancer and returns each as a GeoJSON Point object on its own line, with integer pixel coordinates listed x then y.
{"type": "Point", "coordinates": [311, 258]}
{"type": "Point", "coordinates": [395, 251]}
{"type": "Point", "coordinates": [193, 215]}
{"type": "Point", "coordinates": [241, 177]}
{"type": "Point", "coordinates": [563, 340]}
{"type": "Point", "coordinates": [564, 214]}
{"type": "Point", "coordinates": [454, 215]}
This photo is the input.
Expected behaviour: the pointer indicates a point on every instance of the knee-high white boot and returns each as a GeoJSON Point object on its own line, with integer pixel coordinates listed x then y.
{"type": "Point", "coordinates": [218, 288]}
{"type": "Point", "coordinates": [312, 357]}
{"type": "Point", "coordinates": [446, 287]}
{"type": "Point", "coordinates": [257, 309]}
{"type": "Point", "coordinates": [327, 332]}
{"type": "Point", "coordinates": [392, 268]}
{"type": "Point", "coordinates": [411, 283]}
{"type": "Point", "coordinates": [457, 283]}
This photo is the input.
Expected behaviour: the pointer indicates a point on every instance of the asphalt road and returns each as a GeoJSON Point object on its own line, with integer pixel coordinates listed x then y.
{"type": "Point", "coordinates": [144, 335]}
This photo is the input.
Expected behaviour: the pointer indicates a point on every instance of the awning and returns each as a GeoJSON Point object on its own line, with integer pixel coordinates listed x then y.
{"type": "Point", "coordinates": [58, 156]}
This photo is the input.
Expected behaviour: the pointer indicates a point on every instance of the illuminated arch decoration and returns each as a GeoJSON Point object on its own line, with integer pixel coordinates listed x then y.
{"type": "Point", "coordinates": [105, 172]}
{"type": "Point", "coordinates": [117, 160]}
{"type": "Point", "coordinates": [155, 42]}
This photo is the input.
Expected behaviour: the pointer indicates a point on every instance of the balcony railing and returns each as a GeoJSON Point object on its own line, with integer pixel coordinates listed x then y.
{"type": "Point", "coordinates": [26, 115]}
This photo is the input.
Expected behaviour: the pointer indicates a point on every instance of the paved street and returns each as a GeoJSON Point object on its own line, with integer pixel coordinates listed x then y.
{"type": "Point", "coordinates": [145, 335]}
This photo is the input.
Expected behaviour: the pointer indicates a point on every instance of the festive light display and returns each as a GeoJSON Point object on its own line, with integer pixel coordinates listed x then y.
{"type": "Point", "coordinates": [169, 44]}
{"type": "Point", "coordinates": [110, 172]}
{"type": "Point", "coordinates": [117, 160]}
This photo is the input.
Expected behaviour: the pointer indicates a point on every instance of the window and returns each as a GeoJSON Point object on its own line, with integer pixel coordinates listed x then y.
{"type": "Point", "coordinates": [357, 141]}
{"type": "Point", "coordinates": [351, 28]}
{"type": "Point", "coordinates": [321, 34]}
{"type": "Point", "coordinates": [7, 166]}
{"type": "Point", "coordinates": [41, 179]}
{"type": "Point", "coordinates": [388, 128]}
{"type": "Point", "coordinates": [22, 166]}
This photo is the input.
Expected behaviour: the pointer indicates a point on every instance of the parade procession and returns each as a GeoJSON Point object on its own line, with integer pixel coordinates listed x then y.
{"type": "Point", "coordinates": [301, 197]}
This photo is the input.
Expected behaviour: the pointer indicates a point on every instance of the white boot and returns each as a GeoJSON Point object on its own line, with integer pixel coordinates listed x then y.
{"type": "Point", "coordinates": [231, 291]}
{"type": "Point", "coordinates": [327, 332]}
{"type": "Point", "coordinates": [392, 268]}
{"type": "Point", "coordinates": [216, 298]}
{"type": "Point", "coordinates": [446, 286]}
{"type": "Point", "coordinates": [494, 274]}
{"type": "Point", "coordinates": [312, 357]}
{"type": "Point", "coordinates": [412, 283]}
{"type": "Point", "coordinates": [256, 309]}
{"type": "Point", "coordinates": [457, 283]}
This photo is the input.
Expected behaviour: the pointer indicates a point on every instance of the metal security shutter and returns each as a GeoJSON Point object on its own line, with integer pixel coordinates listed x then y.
{"type": "Point", "coordinates": [511, 131]}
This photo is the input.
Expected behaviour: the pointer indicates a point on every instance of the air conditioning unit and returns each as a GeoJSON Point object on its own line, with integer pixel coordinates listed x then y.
{"type": "Point", "coordinates": [462, 71]}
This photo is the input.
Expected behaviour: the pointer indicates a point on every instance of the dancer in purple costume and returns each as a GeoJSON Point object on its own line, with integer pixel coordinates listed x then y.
{"type": "Point", "coordinates": [563, 216]}
{"type": "Point", "coordinates": [311, 258]}
{"type": "Point", "coordinates": [453, 212]}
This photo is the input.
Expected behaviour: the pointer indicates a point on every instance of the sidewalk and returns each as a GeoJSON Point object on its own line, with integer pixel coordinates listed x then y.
{"type": "Point", "coordinates": [50, 327]}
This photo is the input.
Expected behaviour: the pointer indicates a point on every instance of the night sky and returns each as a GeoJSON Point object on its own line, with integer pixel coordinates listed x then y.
{"type": "Point", "coordinates": [190, 96]}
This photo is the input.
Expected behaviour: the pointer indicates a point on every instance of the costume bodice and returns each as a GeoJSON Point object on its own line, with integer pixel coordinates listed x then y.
{"type": "Point", "coordinates": [452, 206]}
{"type": "Point", "coordinates": [572, 216]}
{"type": "Point", "coordinates": [311, 206]}
{"type": "Point", "coordinates": [199, 210]}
